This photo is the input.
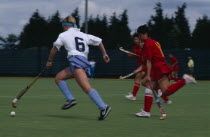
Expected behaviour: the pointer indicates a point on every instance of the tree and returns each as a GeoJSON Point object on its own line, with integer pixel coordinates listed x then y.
{"type": "Point", "coordinates": [118, 31]}
{"type": "Point", "coordinates": [156, 24]}
{"type": "Point", "coordinates": [171, 32]}
{"type": "Point", "coordinates": [201, 33]}
{"type": "Point", "coordinates": [183, 26]}
{"type": "Point", "coordinates": [97, 26]}
{"type": "Point", "coordinates": [54, 28]}
{"type": "Point", "coordinates": [124, 32]}
{"type": "Point", "coordinates": [2, 42]}
{"type": "Point", "coordinates": [11, 41]}
{"type": "Point", "coordinates": [104, 29]}
{"type": "Point", "coordinates": [113, 31]}
{"type": "Point", "coordinates": [34, 33]}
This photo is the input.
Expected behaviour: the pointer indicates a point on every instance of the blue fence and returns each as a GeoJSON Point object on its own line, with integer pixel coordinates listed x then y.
{"type": "Point", "coordinates": [30, 62]}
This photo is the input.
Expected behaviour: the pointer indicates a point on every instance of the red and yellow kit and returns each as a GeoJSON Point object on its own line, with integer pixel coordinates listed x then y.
{"type": "Point", "coordinates": [152, 51]}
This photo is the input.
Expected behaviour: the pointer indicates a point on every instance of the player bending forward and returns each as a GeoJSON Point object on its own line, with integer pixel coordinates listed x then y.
{"type": "Point", "coordinates": [157, 71]}
{"type": "Point", "coordinates": [140, 72]}
{"type": "Point", "coordinates": [76, 43]}
{"type": "Point", "coordinates": [137, 49]}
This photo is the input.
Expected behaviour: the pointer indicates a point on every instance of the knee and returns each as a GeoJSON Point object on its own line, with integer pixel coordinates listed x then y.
{"type": "Point", "coordinates": [86, 89]}
{"type": "Point", "coordinates": [137, 80]}
{"type": "Point", "coordinates": [143, 83]}
{"type": "Point", "coordinates": [148, 92]}
{"type": "Point", "coordinates": [58, 79]}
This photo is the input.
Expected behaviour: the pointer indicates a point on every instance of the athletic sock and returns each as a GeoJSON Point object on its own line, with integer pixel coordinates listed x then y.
{"type": "Point", "coordinates": [65, 90]}
{"type": "Point", "coordinates": [95, 97]}
{"type": "Point", "coordinates": [174, 87]}
{"type": "Point", "coordinates": [148, 99]}
{"type": "Point", "coordinates": [135, 88]}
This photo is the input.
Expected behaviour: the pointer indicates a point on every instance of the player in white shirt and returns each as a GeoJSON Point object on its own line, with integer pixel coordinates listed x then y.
{"type": "Point", "coordinates": [76, 43]}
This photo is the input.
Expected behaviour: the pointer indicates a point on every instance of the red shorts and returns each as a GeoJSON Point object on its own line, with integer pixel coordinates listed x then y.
{"type": "Point", "coordinates": [159, 69]}
{"type": "Point", "coordinates": [176, 68]}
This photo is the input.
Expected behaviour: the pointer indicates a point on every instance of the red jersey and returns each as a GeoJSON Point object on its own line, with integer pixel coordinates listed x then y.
{"type": "Point", "coordinates": [138, 50]}
{"type": "Point", "coordinates": [153, 51]}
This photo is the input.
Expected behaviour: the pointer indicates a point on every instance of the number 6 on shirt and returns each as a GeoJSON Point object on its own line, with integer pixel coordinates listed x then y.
{"type": "Point", "coordinates": [80, 46]}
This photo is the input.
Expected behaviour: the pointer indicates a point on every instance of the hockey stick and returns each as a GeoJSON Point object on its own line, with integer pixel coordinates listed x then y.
{"type": "Point", "coordinates": [14, 105]}
{"type": "Point", "coordinates": [163, 113]}
{"type": "Point", "coordinates": [123, 77]}
{"type": "Point", "coordinates": [121, 49]}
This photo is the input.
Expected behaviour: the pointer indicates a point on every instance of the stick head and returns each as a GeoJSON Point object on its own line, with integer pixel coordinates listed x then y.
{"type": "Point", "coordinates": [120, 48]}
{"type": "Point", "coordinates": [163, 117]}
{"type": "Point", "coordinates": [14, 105]}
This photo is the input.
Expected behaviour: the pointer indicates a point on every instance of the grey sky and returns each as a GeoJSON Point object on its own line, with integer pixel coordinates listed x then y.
{"type": "Point", "coordinates": [14, 14]}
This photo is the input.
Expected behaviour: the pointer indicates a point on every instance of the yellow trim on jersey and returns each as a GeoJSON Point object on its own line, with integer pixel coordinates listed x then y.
{"type": "Point", "coordinates": [158, 45]}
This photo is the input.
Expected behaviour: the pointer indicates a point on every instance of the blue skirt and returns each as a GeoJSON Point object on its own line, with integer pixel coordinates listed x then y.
{"type": "Point", "coordinates": [79, 62]}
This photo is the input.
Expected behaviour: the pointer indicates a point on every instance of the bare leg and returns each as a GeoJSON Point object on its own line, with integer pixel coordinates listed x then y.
{"type": "Point", "coordinates": [63, 85]}
{"type": "Point", "coordinates": [139, 76]}
{"type": "Point", "coordinates": [63, 75]}
{"type": "Point", "coordinates": [82, 80]}
{"type": "Point", "coordinates": [163, 83]}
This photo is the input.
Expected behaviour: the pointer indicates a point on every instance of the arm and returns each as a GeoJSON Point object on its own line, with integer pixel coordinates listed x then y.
{"type": "Point", "coordinates": [174, 64]}
{"type": "Point", "coordinates": [51, 56]}
{"type": "Point", "coordinates": [131, 55]}
{"type": "Point", "coordinates": [149, 67]}
{"type": "Point", "coordinates": [103, 51]}
{"type": "Point", "coordinates": [138, 69]}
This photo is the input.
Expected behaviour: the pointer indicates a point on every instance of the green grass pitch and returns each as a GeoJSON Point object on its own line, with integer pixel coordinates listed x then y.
{"type": "Point", "coordinates": [39, 115]}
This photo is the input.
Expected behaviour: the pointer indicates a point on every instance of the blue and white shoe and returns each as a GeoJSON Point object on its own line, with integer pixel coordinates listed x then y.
{"type": "Point", "coordinates": [68, 104]}
{"type": "Point", "coordinates": [104, 113]}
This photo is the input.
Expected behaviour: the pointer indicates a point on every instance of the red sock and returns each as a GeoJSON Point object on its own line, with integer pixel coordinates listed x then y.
{"type": "Point", "coordinates": [135, 88]}
{"type": "Point", "coordinates": [174, 87]}
{"type": "Point", "coordinates": [165, 98]}
{"type": "Point", "coordinates": [148, 103]}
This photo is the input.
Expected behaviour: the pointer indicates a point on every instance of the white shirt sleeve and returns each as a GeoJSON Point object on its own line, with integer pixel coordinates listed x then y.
{"type": "Point", "coordinates": [58, 43]}
{"type": "Point", "coordinates": [93, 40]}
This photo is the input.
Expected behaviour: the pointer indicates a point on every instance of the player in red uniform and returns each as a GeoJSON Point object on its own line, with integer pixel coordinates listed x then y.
{"type": "Point", "coordinates": [175, 67]}
{"type": "Point", "coordinates": [157, 71]}
{"type": "Point", "coordinates": [140, 73]}
{"type": "Point", "coordinates": [137, 49]}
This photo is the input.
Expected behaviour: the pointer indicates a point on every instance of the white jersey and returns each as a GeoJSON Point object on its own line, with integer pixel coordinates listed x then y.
{"type": "Point", "coordinates": [76, 42]}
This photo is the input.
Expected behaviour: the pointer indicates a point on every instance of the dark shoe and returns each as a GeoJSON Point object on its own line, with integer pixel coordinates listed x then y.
{"type": "Point", "coordinates": [104, 113]}
{"type": "Point", "coordinates": [68, 104]}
